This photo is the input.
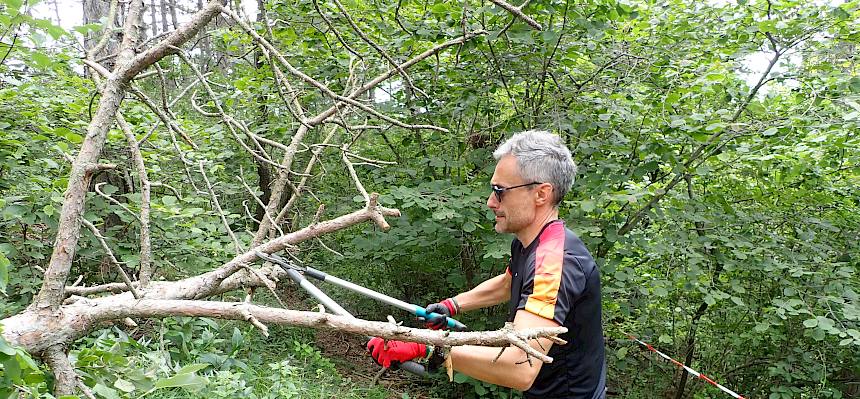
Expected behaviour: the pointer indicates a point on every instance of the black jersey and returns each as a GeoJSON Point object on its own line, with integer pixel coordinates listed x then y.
{"type": "Point", "coordinates": [555, 277]}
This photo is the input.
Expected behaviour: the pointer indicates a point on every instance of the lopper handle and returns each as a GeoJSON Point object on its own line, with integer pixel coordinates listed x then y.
{"type": "Point", "coordinates": [452, 324]}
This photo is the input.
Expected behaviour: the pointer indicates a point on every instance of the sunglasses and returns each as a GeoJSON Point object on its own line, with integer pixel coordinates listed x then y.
{"type": "Point", "coordinates": [499, 190]}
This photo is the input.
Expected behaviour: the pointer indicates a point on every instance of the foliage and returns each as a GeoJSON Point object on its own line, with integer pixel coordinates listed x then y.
{"type": "Point", "coordinates": [221, 359]}
{"type": "Point", "coordinates": [721, 202]}
{"type": "Point", "coordinates": [20, 376]}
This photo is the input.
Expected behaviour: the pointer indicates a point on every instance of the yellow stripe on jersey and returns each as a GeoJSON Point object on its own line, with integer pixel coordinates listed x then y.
{"type": "Point", "coordinates": [549, 259]}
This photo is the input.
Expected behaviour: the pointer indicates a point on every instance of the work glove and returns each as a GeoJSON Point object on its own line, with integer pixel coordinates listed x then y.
{"type": "Point", "coordinates": [391, 353]}
{"type": "Point", "coordinates": [447, 308]}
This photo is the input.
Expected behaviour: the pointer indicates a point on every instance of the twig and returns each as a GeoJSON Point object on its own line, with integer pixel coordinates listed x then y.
{"type": "Point", "coordinates": [98, 188]}
{"type": "Point", "coordinates": [169, 187]}
{"type": "Point", "coordinates": [267, 282]}
{"type": "Point", "coordinates": [248, 212]}
{"type": "Point", "coordinates": [260, 203]}
{"type": "Point", "coordinates": [254, 321]}
{"type": "Point", "coordinates": [221, 214]}
{"type": "Point", "coordinates": [409, 83]}
{"type": "Point", "coordinates": [517, 11]}
{"type": "Point", "coordinates": [323, 88]}
{"type": "Point", "coordinates": [106, 32]}
{"type": "Point", "coordinates": [354, 175]}
{"type": "Point", "coordinates": [333, 30]}
{"type": "Point", "coordinates": [171, 104]}
{"type": "Point", "coordinates": [86, 390]}
{"type": "Point", "coordinates": [301, 186]}
{"type": "Point", "coordinates": [322, 116]}
{"type": "Point", "coordinates": [112, 258]}
{"type": "Point", "coordinates": [145, 240]}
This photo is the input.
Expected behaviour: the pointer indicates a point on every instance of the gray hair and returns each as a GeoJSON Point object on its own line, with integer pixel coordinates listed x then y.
{"type": "Point", "coordinates": [541, 157]}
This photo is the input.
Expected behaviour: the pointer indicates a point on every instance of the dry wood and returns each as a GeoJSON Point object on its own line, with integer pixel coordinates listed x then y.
{"type": "Point", "coordinates": [84, 314]}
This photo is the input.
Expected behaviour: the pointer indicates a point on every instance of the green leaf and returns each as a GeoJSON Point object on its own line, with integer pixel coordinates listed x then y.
{"type": "Point", "coordinates": [715, 127]}
{"type": "Point", "coordinates": [5, 348]}
{"type": "Point", "coordinates": [14, 4]}
{"type": "Point", "coordinates": [710, 300]}
{"type": "Point", "coordinates": [587, 205]}
{"type": "Point", "coordinates": [105, 392]}
{"type": "Point", "coordinates": [769, 131]}
{"type": "Point", "coordinates": [460, 378]}
{"type": "Point", "coordinates": [41, 59]}
{"type": "Point", "coordinates": [810, 323]}
{"type": "Point", "coordinates": [123, 385]}
{"type": "Point", "coordinates": [183, 380]}
{"type": "Point", "coordinates": [469, 227]}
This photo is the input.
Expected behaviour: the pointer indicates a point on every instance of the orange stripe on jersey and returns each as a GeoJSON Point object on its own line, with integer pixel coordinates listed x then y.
{"type": "Point", "coordinates": [549, 258]}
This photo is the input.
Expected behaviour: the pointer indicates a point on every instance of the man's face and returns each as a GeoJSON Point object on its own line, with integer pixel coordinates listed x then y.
{"type": "Point", "coordinates": [516, 210]}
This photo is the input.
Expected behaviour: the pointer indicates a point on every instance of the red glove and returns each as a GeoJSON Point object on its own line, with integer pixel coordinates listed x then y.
{"type": "Point", "coordinates": [396, 351]}
{"type": "Point", "coordinates": [447, 308]}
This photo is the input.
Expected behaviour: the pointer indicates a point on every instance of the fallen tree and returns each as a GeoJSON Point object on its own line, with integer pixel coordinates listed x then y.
{"type": "Point", "coordinates": [61, 313]}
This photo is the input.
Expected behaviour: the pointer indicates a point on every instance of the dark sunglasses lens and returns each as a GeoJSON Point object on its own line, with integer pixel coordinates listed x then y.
{"type": "Point", "coordinates": [498, 191]}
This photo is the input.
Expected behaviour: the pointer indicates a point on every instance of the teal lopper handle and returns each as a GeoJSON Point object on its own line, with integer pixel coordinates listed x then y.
{"type": "Point", "coordinates": [452, 324]}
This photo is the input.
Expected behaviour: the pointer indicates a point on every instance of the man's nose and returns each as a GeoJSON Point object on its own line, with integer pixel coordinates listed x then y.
{"type": "Point", "coordinates": [492, 201]}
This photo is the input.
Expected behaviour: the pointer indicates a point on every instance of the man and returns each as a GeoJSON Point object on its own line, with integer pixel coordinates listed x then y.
{"type": "Point", "coordinates": [551, 281]}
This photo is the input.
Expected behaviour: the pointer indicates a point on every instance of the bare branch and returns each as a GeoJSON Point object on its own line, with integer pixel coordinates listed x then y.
{"type": "Point", "coordinates": [65, 378]}
{"type": "Point", "coordinates": [323, 88]}
{"type": "Point", "coordinates": [145, 241]}
{"type": "Point", "coordinates": [517, 12]}
{"type": "Point", "coordinates": [112, 258]}
{"type": "Point", "coordinates": [106, 31]}
{"type": "Point", "coordinates": [237, 246]}
{"type": "Point", "coordinates": [80, 317]}
{"type": "Point", "coordinates": [323, 116]}
{"type": "Point", "coordinates": [352, 174]}
{"type": "Point", "coordinates": [98, 188]}
{"type": "Point", "coordinates": [98, 289]}
{"type": "Point", "coordinates": [260, 203]}
{"type": "Point", "coordinates": [409, 83]}
{"type": "Point", "coordinates": [303, 182]}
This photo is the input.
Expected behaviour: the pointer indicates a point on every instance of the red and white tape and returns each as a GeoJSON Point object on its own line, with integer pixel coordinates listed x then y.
{"type": "Point", "coordinates": [687, 369]}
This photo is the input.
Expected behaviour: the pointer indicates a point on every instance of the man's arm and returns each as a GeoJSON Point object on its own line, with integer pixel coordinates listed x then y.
{"type": "Point", "coordinates": [491, 292]}
{"type": "Point", "coordinates": [512, 369]}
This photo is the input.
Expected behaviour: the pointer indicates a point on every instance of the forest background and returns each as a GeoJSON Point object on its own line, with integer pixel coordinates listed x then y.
{"type": "Point", "coordinates": [719, 200]}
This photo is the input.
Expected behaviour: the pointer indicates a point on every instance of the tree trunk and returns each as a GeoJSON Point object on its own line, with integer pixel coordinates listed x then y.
{"type": "Point", "coordinates": [173, 19]}
{"type": "Point", "coordinates": [94, 11]}
{"type": "Point", "coordinates": [164, 5]}
{"type": "Point", "coordinates": [154, 22]}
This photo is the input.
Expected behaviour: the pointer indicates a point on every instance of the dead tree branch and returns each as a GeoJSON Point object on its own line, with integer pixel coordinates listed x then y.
{"type": "Point", "coordinates": [237, 246]}
{"type": "Point", "coordinates": [518, 12]}
{"type": "Point", "coordinates": [145, 272]}
{"type": "Point", "coordinates": [83, 315]}
{"type": "Point", "coordinates": [65, 378]}
{"type": "Point", "coordinates": [112, 258]}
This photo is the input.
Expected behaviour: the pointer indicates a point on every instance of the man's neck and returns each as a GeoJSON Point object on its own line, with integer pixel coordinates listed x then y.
{"type": "Point", "coordinates": [527, 235]}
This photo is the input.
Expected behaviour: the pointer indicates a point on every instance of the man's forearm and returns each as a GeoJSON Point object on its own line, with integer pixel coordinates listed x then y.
{"type": "Point", "coordinates": [491, 292]}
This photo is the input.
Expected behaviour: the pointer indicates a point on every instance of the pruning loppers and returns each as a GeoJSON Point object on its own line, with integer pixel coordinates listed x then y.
{"type": "Point", "coordinates": [322, 276]}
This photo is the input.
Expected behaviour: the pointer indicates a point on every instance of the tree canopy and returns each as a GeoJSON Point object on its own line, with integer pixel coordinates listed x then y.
{"type": "Point", "coordinates": [718, 146]}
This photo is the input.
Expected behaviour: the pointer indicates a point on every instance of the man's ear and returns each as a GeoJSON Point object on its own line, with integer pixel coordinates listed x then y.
{"type": "Point", "coordinates": [544, 193]}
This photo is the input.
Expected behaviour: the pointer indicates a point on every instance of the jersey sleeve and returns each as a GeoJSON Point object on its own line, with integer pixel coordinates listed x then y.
{"type": "Point", "coordinates": [554, 279]}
